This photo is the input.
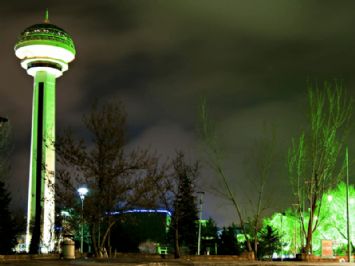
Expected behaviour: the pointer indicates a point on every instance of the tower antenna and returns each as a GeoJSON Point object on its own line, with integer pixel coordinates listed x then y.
{"type": "Point", "coordinates": [46, 16]}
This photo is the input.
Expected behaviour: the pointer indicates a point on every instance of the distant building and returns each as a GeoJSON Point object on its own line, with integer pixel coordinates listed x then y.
{"type": "Point", "coordinates": [143, 228]}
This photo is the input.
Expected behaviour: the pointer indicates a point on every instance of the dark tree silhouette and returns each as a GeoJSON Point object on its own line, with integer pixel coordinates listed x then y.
{"type": "Point", "coordinates": [228, 243]}
{"type": "Point", "coordinates": [118, 179]}
{"type": "Point", "coordinates": [269, 242]}
{"type": "Point", "coordinates": [209, 236]}
{"type": "Point", "coordinates": [8, 229]}
{"type": "Point", "coordinates": [184, 219]}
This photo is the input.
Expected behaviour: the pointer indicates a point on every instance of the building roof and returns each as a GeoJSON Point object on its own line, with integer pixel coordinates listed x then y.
{"type": "Point", "coordinates": [45, 33]}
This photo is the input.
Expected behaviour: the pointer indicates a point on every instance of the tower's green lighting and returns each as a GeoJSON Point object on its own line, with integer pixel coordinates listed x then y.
{"type": "Point", "coordinates": [45, 46]}
{"type": "Point", "coordinates": [45, 51]}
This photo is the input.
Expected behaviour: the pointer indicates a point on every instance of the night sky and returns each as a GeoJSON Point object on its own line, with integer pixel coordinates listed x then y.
{"type": "Point", "coordinates": [250, 59]}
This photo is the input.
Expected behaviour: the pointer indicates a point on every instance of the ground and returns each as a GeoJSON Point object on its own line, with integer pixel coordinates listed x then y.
{"type": "Point", "coordinates": [144, 261]}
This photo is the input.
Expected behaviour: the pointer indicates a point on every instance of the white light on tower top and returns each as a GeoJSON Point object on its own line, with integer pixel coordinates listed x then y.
{"type": "Point", "coordinates": [45, 47]}
{"type": "Point", "coordinates": [45, 50]}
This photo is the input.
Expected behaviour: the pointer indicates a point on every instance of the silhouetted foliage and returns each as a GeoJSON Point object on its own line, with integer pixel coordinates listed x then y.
{"type": "Point", "coordinates": [184, 218]}
{"type": "Point", "coordinates": [209, 237]}
{"type": "Point", "coordinates": [133, 229]}
{"type": "Point", "coordinates": [8, 228]}
{"type": "Point", "coordinates": [5, 150]}
{"type": "Point", "coordinates": [118, 179]}
{"type": "Point", "coordinates": [228, 243]}
{"type": "Point", "coordinates": [269, 242]}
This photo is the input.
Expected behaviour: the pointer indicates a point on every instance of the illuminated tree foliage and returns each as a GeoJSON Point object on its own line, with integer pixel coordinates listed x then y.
{"type": "Point", "coordinates": [315, 159]}
{"type": "Point", "coordinates": [288, 228]}
{"type": "Point", "coordinates": [331, 223]}
{"type": "Point", "coordinates": [333, 217]}
{"type": "Point", "coordinates": [117, 179]}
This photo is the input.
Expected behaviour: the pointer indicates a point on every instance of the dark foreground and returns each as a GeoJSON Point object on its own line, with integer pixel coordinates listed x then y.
{"type": "Point", "coordinates": [157, 262]}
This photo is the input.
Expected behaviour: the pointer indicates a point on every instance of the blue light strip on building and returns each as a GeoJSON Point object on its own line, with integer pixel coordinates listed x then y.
{"type": "Point", "coordinates": [142, 211]}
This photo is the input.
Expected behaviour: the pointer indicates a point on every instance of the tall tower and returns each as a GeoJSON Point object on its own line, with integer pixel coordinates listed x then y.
{"type": "Point", "coordinates": [45, 51]}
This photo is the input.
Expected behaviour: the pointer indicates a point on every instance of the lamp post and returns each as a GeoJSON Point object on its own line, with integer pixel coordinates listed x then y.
{"type": "Point", "coordinates": [201, 193]}
{"type": "Point", "coordinates": [347, 205]}
{"type": "Point", "coordinates": [282, 215]}
{"type": "Point", "coordinates": [82, 193]}
{"type": "Point", "coordinates": [296, 209]}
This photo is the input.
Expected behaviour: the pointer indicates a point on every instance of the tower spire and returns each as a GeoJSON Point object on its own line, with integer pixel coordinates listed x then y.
{"type": "Point", "coordinates": [46, 16]}
{"type": "Point", "coordinates": [45, 51]}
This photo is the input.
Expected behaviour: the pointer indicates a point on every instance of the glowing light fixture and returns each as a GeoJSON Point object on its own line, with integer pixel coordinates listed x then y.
{"type": "Point", "coordinates": [201, 193]}
{"type": "Point", "coordinates": [83, 191]}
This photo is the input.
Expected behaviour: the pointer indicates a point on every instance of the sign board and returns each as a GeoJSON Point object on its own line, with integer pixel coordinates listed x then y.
{"type": "Point", "coordinates": [327, 248]}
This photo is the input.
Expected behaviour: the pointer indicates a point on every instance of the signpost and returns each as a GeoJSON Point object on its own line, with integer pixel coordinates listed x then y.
{"type": "Point", "coordinates": [327, 248]}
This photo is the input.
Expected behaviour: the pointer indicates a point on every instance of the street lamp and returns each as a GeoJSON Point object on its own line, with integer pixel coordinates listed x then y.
{"type": "Point", "coordinates": [201, 193]}
{"type": "Point", "coordinates": [282, 215]}
{"type": "Point", "coordinates": [82, 193]}
{"type": "Point", "coordinates": [296, 209]}
{"type": "Point", "coordinates": [347, 205]}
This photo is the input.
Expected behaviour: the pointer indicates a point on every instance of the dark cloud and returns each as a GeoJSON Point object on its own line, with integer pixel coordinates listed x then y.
{"type": "Point", "coordinates": [250, 59]}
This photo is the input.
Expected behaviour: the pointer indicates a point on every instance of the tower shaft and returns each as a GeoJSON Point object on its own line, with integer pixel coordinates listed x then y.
{"type": "Point", "coordinates": [45, 50]}
{"type": "Point", "coordinates": [40, 216]}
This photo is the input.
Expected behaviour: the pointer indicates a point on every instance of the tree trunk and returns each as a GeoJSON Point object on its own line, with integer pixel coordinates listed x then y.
{"type": "Point", "coordinates": [310, 229]}
{"type": "Point", "coordinates": [94, 240]}
{"type": "Point", "coordinates": [176, 242]}
{"type": "Point", "coordinates": [308, 247]}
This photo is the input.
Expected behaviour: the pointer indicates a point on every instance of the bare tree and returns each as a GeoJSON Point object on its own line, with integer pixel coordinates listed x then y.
{"type": "Point", "coordinates": [260, 163]}
{"type": "Point", "coordinates": [117, 179]}
{"type": "Point", "coordinates": [215, 161]}
{"type": "Point", "coordinates": [314, 160]}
